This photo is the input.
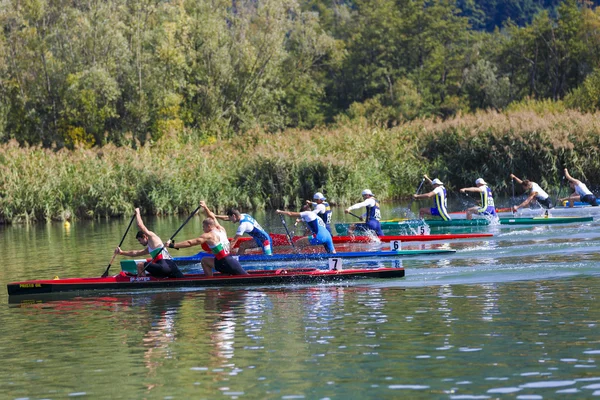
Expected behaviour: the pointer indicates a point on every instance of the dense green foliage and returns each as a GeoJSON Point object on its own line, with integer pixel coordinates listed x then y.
{"type": "Point", "coordinates": [119, 71]}
{"type": "Point", "coordinates": [491, 14]}
{"type": "Point", "coordinates": [283, 169]}
{"type": "Point", "coordinates": [107, 104]}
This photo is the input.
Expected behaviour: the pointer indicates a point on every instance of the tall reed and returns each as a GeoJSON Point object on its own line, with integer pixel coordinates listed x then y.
{"type": "Point", "coordinates": [262, 170]}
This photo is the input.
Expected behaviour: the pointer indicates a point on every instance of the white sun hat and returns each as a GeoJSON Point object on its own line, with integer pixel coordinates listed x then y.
{"type": "Point", "coordinates": [318, 196]}
{"type": "Point", "coordinates": [480, 181]}
{"type": "Point", "coordinates": [367, 192]}
{"type": "Point", "coordinates": [436, 181]}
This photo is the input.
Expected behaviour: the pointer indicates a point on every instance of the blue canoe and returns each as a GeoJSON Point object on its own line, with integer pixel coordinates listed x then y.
{"type": "Point", "coordinates": [130, 265]}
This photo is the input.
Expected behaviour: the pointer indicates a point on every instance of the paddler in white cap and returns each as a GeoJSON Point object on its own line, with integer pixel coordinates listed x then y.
{"type": "Point", "coordinates": [371, 216]}
{"type": "Point", "coordinates": [321, 208]}
{"type": "Point", "coordinates": [440, 204]}
{"type": "Point", "coordinates": [487, 207]}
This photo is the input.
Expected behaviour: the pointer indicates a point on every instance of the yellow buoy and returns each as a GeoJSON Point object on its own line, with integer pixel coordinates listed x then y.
{"type": "Point", "coordinates": [67, 224]}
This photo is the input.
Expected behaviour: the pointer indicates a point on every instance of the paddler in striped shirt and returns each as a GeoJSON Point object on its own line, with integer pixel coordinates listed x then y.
{"type": "Point", "coordinates": [487, 207]}
{"type": "Point", "coordinates": [319, 233]}
{"type": "Point", "coordinates": [580, 192]}
{"type": "Point", "coordinates": [440, 207]}
{"type": "Point", "coordinates": [535, 193]}
{"type": "Point", "coordinates": [159, 265]}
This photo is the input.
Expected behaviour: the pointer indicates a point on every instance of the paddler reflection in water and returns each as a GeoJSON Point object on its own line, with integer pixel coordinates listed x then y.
{"type": "Point", "coordinates": [319, 233]}
{"type": "Point", "coordinates": [215, 238]}
{"type": "Point", "coordinates": [160, 265]}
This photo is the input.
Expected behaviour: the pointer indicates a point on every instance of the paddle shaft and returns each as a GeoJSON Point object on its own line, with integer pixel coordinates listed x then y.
{"type": "Point", "coordinates": [512, 181]}
{"type": "Point", "coordinates": [562, 181]}
{"type": "Point", "coordinates": [286, 230]}
{"type": "Point", "coordinates": [105, 274]}
{"type": "Point", "coordinates": [417, 192]}
{"type": "Point", "coordinates": [354, 215]}
{"type": "Point", "coordinates": [173, 236]}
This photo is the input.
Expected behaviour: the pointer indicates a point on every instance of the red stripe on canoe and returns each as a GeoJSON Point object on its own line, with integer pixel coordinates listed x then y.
{"type": "Point", "coordinates": [282, 240]}
{"type": "Point", "coordinates": [408, 238]}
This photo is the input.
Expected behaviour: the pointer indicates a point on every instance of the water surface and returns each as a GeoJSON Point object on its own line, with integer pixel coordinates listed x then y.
{"type": "Point", "coordinates": [513, 316]}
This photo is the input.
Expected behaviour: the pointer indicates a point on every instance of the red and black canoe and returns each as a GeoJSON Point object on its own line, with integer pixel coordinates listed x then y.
{"type": "Point", "coordinates": [280, 239]}
{"type": "Point", "coordinates": [125, 281]}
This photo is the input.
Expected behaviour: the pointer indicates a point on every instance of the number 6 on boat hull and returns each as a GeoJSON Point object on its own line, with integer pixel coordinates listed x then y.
{"type": "Point", "coordinates": [395, 245]}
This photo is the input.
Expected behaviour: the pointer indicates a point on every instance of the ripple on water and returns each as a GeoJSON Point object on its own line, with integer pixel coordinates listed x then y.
{"type": "Point", "coordinates": [594, 386]}
{"type": "Point", "coordinates": [505, 390]}
{"type": "Point", "coordinates": [567, 391]}
{"type": "Point", "coordinates": [408, 387]}
{"type": "Point", "coordinates": [547, 384]}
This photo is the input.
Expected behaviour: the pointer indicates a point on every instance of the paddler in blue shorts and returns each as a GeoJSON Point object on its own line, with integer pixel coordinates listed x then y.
{"type": "Point", "coordinates": [319, 233]}
{"type": "Point", "coordinates": [161, 264]}
{"type": "Point", "coordinates": [580, 192]}
{"type": "Point", "coordinates": [251, 227]}
{"type": "Point", "coordinates": [487, 207]}
{"type": "Point", "coordinates": [440, 208]}
{"type": "Point", "coordinates": [322, 209]}
{"type": "Point", "coordinates": [371, 216]}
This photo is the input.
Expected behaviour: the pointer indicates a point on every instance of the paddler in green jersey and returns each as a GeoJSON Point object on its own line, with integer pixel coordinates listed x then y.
{"type": "Point", "coordinates": [160, 265]}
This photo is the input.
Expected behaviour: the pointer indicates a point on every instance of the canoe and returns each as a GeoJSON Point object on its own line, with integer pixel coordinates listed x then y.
{"type": "Point", "coordinates": [130, 265]}
{"type": "Point", "coordinates": [566, 203]}
{"type": "Point", "coordinates": [124, 281]}
{"type": "Point", "coordinates": [319, 256]}
{"type": "Point", "coordinates": [280, 239]}
{"type": "Point", "coordinates": [408, 227]}
{"type": "Point", "coordinates": [412, 224]}
{"type": "Point", "coordinates": [544, 220]}
{"type": "Point", "coordinates": [510, 221]}
{"type": "Point", "coordinates": [408, 238]}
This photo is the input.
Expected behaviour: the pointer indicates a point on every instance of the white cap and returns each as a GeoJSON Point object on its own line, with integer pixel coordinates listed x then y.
{"type": "Point", "coordinates": [436, 181]}
{"type": "Point", "coordinates": [318, 196]}
{"type": "Point", "coordinates": [367, 192]}
{"type": "Point", "coordinates": [480, 181]}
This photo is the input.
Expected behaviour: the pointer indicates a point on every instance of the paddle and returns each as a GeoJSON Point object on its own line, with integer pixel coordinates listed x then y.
{"type": "Point", "coordinates": [559, 190]}
{"type": "Point", "coordinates": [355, 216]}
{"type": "Point", "coordinates": [417, 192]}
{"type": "Point", "coordinates": [105, 274]}
{"type": "Point", "coordinates": [287, 231]}
{"type": "Point", "coordinates": [512, 204]}
{"type": "Point", "coordinates": [173, 236]}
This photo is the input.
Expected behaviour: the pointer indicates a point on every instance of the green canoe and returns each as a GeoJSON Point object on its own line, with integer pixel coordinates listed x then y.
{"type": "Point", "coordinates": [415, 225]}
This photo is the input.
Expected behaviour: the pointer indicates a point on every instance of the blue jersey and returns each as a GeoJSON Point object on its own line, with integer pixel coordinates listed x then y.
{"type": "Point", "coordinates": [373, 213]}
{"type": "Point", "coordinates": [251, 227]}
{"type": "Point", "coordinates": [487, 202]}
{"type": "Point", "coordinates": [325, 215]}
